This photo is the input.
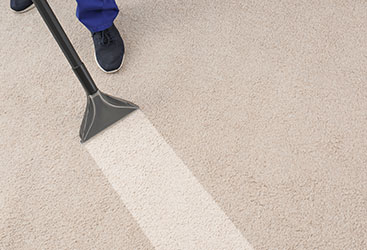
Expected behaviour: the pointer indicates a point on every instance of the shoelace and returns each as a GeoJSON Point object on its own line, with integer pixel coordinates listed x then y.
{"type": "Point", "coordinates": [105, 38]}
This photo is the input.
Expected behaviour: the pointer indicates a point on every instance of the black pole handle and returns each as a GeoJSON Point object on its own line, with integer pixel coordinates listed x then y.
{"type": "Point", "coordinates": [67, 48]}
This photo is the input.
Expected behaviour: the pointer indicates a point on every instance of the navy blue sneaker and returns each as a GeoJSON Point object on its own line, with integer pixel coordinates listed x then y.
{"type": "Point", "coordinates": [21, 6]}
{"type": "Point", "coordinates": [109, 49]}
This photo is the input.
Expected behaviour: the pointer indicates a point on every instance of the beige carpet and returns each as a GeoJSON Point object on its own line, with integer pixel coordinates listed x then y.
{"type": "Point", "coordinates": [264, 101]}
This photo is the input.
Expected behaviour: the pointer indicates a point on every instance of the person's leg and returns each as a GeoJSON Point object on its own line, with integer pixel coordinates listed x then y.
{"type": "Point", "coordinates": [97, 15]}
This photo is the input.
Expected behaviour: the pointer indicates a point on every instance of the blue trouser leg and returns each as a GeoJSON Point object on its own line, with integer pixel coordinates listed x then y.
{"type": "Point", "coordinates": [97, 15]}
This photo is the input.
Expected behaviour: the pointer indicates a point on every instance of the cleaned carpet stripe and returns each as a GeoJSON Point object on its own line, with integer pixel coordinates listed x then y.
{"type": "Point", "coordinates": [168, 202]}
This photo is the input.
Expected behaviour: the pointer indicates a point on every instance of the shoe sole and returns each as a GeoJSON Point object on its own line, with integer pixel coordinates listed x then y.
{"type": "Point", "coordinates": [112, 71]}
{"type": "Point", "coordinates": [25, 10]}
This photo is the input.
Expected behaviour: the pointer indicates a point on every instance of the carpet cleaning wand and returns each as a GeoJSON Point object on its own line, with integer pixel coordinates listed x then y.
{"type": "Point", "coordinates": [102, 110]}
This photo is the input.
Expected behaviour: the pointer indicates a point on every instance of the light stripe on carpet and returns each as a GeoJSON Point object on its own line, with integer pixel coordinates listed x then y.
{"type": "Point", "coordinates": [169, 204]}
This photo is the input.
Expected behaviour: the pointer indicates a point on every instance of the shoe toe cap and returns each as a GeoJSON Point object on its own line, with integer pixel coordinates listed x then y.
{"type": "Point", "coordinates": [111, 63]}
{"type": "Point", "coordinates": [20, 5]}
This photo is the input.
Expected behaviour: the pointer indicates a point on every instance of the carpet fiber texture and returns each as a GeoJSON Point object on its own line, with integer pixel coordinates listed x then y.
{"type": "Point", "coordinates": [264, 101]}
